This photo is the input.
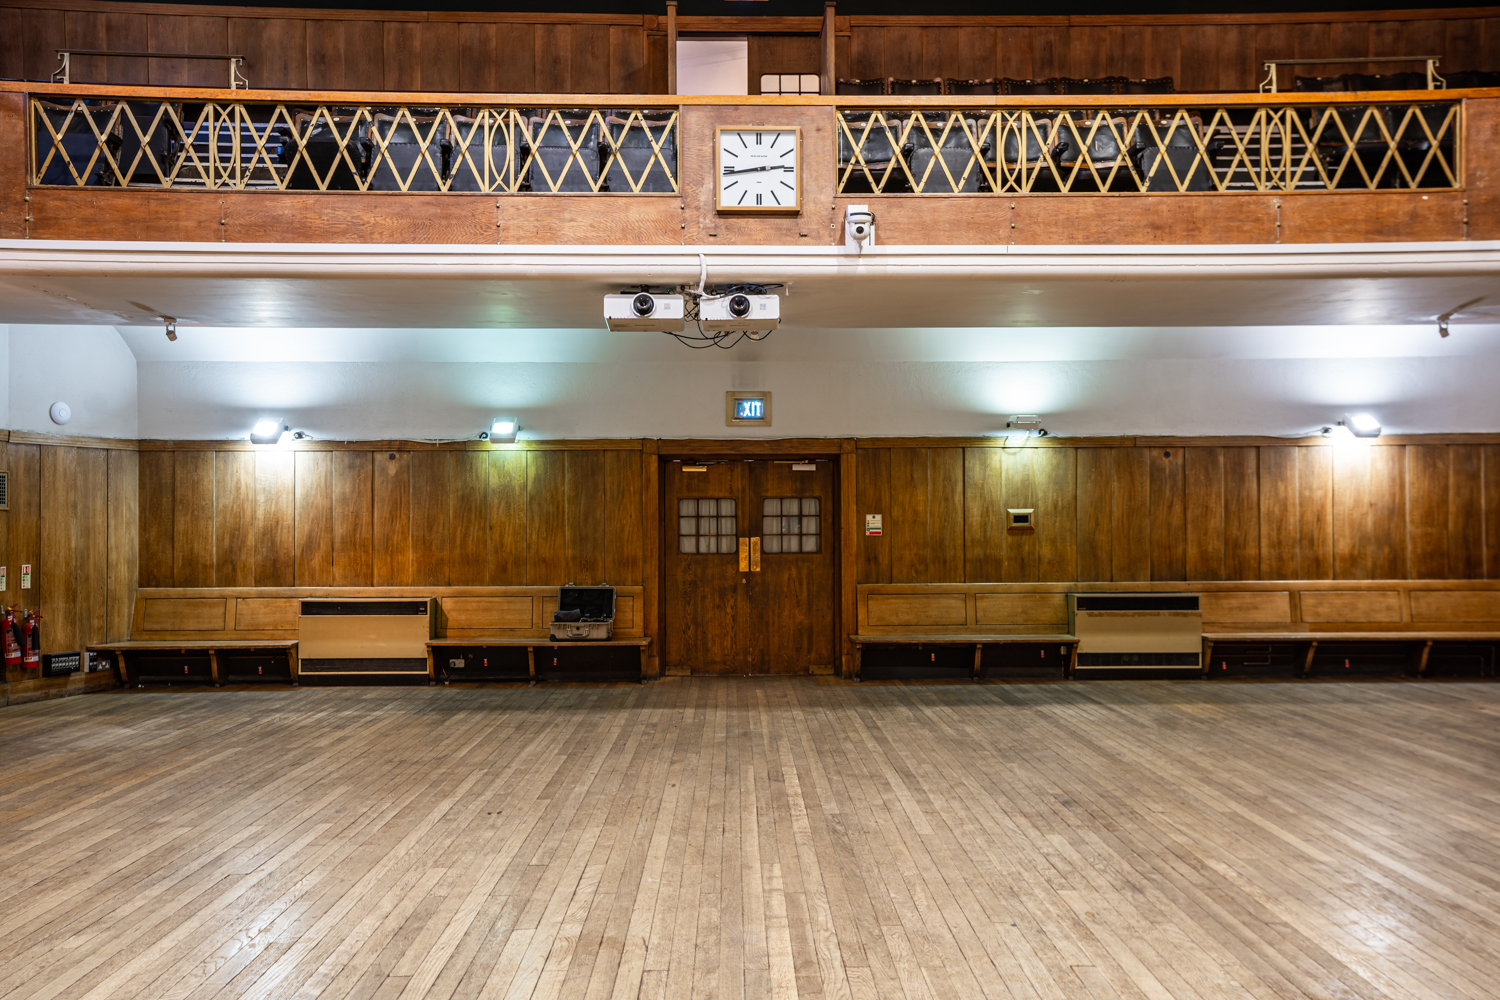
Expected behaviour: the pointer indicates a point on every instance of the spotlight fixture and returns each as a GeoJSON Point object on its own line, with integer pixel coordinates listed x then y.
{"type": "Point", "coordinates": [1022, 426]}
{"type": "Point", "coordinates": [267, 432]}
{"type": "Point", "coordinates": [171, 323]}
{"type": "Point", "coordinates": [1361, 425]}
{"type": "Point", "coordinates": [501, 430]}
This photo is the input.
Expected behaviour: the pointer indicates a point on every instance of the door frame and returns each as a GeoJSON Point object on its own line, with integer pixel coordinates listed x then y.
{"type": "Point", "coordinates": [661, 452]}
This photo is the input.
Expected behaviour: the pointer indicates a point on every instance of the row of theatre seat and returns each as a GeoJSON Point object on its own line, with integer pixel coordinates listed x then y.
{"type": "Point", "coordinates": [1047, 141]}
{"type": "Point", "coordinates": [1352, 82]}
{"type": "Point", "coordinates": [1054, 86]}
{"type": "Point", "coordinates": [385, 151]}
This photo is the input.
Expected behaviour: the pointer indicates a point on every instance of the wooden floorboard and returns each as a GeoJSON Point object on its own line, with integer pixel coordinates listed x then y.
{"type": "Point", "coordinates": [748, 838]}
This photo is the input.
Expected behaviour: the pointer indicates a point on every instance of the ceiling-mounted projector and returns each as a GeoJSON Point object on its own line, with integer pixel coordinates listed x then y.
{"type": "Point", "coordinates": [751, 313]}
{"type": "Point", "coordinates": [643, 311]}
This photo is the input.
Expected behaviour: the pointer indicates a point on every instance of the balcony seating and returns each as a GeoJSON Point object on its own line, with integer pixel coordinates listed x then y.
{"type": "Point", "coordinates": [480, 153]}
{"type": "Point", "coordinates": [1103, 139]}
{"type": "Point", "coordinates": [915, 88]}
{"type": "Point", "coordinates": [76, 138]}
{"type": "Point", "coordinates": [878, 150]}
{"type": "Point", "coordinates": [1028, 88]}
{"type": "Point", "coordinates": [1179, 149]}
{"type": "Point", "coordinates": [632, 151]}
{"type": "Point", "coordinates": [970, 88]}
{"type": "Point", "coordinates": [955, 150]}
{"type": "Point", "coordinates": [1103, 85]}
{"type": "Point", "coordinates": [323, 155]}
{"type": "Point", "coordinates": [860, 88]}
{"type": "Point", "coordinates": [398, 162]}
{"type": "Point", "coordinates": [1160, 85]}
{"type": "Point", "coordinates": [554, 166]}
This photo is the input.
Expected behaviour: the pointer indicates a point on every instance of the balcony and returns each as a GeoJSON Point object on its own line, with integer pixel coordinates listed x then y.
{"type": "Point", "coordinates": [92, 162]}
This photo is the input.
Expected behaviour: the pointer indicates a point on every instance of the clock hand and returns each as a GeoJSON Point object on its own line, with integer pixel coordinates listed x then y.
{"type": "Point", "coordinates": [749, 170]}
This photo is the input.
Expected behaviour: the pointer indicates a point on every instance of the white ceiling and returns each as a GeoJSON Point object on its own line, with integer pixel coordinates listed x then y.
{"type": "Point", "coordinates": [448, 288]}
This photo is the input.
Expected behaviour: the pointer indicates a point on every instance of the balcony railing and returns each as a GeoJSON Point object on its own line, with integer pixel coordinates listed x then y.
{"type": "Point", "coordinates": [242, 146]}
{"type": "Point", "coordinates": [1261, 149]}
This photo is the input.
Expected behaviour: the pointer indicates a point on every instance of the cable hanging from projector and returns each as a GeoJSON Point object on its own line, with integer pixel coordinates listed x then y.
{"type": "Point", "coordinates": [738, 304]}
{"type": "Point", "coordinates": [701, 317]}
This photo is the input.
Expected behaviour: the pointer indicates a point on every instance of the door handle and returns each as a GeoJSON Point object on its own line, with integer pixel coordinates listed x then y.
{"type": "Point", "coordinates": [744, 555]}
{"type": "Point", "coordinates": [755, 554]}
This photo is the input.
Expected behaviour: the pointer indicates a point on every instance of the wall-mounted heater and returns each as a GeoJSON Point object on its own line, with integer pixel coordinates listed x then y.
{"type": "Point", "coordinates": [352, 636]}
{"type": "Point", "coordinates": [1137, 631]}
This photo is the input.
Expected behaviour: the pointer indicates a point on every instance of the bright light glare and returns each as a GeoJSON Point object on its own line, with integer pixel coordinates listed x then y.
{"type": "Point", "coordinates": [286, 439]}
{"type": "Point", "coordinates": [1015, 438]}
{"type": "Point", "coordinates": [266, 428]}
{"type": "Point", "coordinates": [1364, 422]}
{"type": "Point", "coordinates": [500, 427]}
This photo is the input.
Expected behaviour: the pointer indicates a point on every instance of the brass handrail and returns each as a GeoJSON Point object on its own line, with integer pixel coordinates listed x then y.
{"type": "Point", "coordinates": [64, 69]}
{"type": "Point", "coordinates": [1434, 82]}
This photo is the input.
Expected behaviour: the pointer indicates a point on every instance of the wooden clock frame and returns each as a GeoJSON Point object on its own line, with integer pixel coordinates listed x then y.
{"type": "Point", "coordinates": [793, 209]}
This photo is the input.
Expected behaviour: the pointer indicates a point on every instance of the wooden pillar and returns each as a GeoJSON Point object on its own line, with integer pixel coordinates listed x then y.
{"type": "Point", "coordinates": [830, 49]}
{"type": "Point", "coordinates": [671, 46]}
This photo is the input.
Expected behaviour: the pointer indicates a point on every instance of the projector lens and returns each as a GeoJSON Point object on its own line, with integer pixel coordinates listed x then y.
{"type": "Point", "coordinates": [643, 304]}
{"type": "Point", "coordinates": [739, 306]}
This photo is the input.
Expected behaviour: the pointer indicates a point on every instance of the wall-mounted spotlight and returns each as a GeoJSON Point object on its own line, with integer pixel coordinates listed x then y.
{"type": "Point", "coordinates": [267, 432]}
{"type": "Point", "coordinates": [1361, 425]}
{"type": "Point", "coordinates": [171, 324]}
{"type": "Point", "coordinates": [502, 431]}
{"type": "Point", "coordinates": [1022, 426]}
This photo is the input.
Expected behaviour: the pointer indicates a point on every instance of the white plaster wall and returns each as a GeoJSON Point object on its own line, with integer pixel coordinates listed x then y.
{"type": "Point", "coordinates": [352, 400]}
{"type": "Point", "coordinates": [88, 367]}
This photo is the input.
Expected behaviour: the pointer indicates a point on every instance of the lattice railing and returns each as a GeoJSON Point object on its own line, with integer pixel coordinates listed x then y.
{"type": "Point", "coordinates": [1241, 148]}
{"type": "Point", "coordinates": [156, 144]}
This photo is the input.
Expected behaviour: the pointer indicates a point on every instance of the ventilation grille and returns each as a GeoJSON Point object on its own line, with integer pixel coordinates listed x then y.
{"type": "Point", "coordinates": [1136, 602]}
{"type": "Point", "coordinates": [1139, 659]}
{"type": "Point", "coordinates": [4, 489]}
{"type": "Point", "coordinates": [363, 665]}
{"type": "Point", "coordinates": [364, 608]}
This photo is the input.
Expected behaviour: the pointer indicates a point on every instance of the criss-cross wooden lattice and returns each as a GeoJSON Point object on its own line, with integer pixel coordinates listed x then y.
{"type": "Point", "coordinates": [1249, 149]}
{"type": "Point", "coordinates": [127, 143]}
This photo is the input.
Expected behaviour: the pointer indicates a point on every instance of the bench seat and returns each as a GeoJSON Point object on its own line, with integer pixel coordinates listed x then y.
{"type": "Point", "coordinates": [213, 647]}
{"type": "Point", "coordinates": [977, 641]}
{"type": "Point", "coordinates": [532, 644]}
{"type": "Point", "coordinates": [1425, 640]}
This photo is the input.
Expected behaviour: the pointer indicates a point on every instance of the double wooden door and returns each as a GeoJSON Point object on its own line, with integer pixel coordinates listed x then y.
{"type": "Point", "coordinates": [749, 551]}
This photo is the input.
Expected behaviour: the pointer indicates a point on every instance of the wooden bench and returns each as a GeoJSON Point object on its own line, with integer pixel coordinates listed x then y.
{"type": "Point", "coordinates": [1422, 640]}
{"type": "Point", "coordinates": [122, 650]}
{"type": "Point", "coordinates": [532, 645]}
{"type": "Point", "coordinates": [977, 641]}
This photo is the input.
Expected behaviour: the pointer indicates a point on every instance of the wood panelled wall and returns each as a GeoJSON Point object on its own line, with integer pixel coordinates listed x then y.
{"type": "Point", "coordinates": [626, 54]}
{"type": "Point", "coordinates": [390, 518]}
{"type": "Point", "coordinates": [342, 50]}
{"type": "Point", "coordinates": [1201, 54]}
{"type": "Point", "coordinates": [1279, 512]}
{"type": "Point", "coordinates": [72, 518]}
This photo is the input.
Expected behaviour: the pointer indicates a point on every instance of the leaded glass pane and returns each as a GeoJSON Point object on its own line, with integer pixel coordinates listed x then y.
{"type": "Point", "coordinates": [727, 526]}
{"type": "Point", "coordinates": [791, 543]}
{"type": "Point", "coordinates": [810, 543]}
{"type": "Point", "coordinates": [687, 544]}
{"type": "Point", "coordinates": [687, 508]}
{"type": "Point", "coordinates": [726, 507]}
{"type": "Point", "coordinates": [809, 505]}
{"type": "Point", "coordinates": [791, 525]}
{"type": "Point", "coordinates": [687, 525]}
{"type": "Point", "coordinates": [729, 543]}
{"type": "Point", "coordinates": [770, 544]}
{"type": "Point", "coordinates": [771, 506]}
{"type": "Point", "coordinates": [809, 525]}
{"type": "Point", "coordinates": [708, 525]}
{"type": "Point", "coordinates": [708, 508]}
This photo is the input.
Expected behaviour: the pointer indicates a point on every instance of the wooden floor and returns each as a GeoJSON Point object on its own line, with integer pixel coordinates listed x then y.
{"type": "Point", "coordinates": [750, 838]}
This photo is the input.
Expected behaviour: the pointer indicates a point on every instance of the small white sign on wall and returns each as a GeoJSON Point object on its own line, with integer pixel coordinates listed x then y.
{"type": "Point", "coordinates": [872, 524]}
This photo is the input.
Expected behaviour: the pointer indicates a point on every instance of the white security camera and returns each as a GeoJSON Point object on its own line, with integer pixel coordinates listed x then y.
{"type": "Point", "coordinates": [859, 227]}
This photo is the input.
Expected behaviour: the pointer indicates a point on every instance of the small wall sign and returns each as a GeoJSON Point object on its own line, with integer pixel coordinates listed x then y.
{"type": "Point", "coordinates": [26, 576]}
{"type": "Point", "coordinates": [3, 585]}
{"type": "Point", "coordinates": [872, 524]}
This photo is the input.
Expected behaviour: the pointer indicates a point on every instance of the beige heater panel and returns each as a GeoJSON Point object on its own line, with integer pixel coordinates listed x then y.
{"type": "Point", "coordinates": [363, 636]}
{"type": "Point", "coordinates": [1138, 631]}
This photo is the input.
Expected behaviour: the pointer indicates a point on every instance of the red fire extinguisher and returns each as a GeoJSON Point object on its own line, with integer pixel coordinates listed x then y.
{"type": "Point", "coordinates": [31, 639]}
{"type": "Point", "coordinates": [12, 639]}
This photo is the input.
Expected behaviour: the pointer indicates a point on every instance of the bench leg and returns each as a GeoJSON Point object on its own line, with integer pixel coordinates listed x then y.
{"type": "Point", "coordinates": [1422, 659]}
{"type": "Point", "coordinates": [531, 665]}
{"type": "Point", "coordinates": [858, 656]}
{"type": "Point", "coordinates": [1208, 655]}
{"type": "Point", "coordinates": [1072, 663]}
{"type": "Point", "coordinates": [1312, 647]}
{"type": "Point", "coordinates": [292, 665]}
{"type": "Point", "coordinates": [978, 655]}
{"type": "Point", "coordinates": [213, 668]}
{"type": "Point", "coordinates": [124, 673]}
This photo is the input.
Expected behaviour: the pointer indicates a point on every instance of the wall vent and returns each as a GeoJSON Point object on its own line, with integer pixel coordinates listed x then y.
{"type": "Point", "coordinates": [1137, 631]}
{"type": "Point", "coordinates": [4, 489]}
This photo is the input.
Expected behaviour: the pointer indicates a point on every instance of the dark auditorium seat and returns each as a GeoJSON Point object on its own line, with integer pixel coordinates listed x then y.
{"type": "Point", "coordinates": [860, 88]}
{"type": "Point", "coordinates": [397, 156]}
{"type": "Point", "coordinates": [1030, 88]}
{"type": "Point", "coordinates": [553, 138]}
{"type": "Point", "coordinates": [478, 161]}
{"type": "Point", "coordinates": [970, 88]}
{"type": "Point", "coordinates": [629, 150]}
{"type": "Point", "coordinates": [1179, 144]}
{"type": "Point", "coordinates": [337, 167]}
{"type": "Point", "coordinates": [1102, 85]}
{"type": "Point", "coordinates": [76, 138]}
{"type": "Point", "coordinates": [954, 150]}
{"type": "Point", "coordinates": [1160, 85]}
{"type": "Point", "coordinates": [915, 88]}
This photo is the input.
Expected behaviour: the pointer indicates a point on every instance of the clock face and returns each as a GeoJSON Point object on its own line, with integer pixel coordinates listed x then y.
{"type": "Point", "coordinates": [760, 170]}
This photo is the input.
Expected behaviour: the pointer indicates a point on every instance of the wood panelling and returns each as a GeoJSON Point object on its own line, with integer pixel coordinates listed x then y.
{"type": "Point", "coordinates": [360, 518]}
{"type": "Point", "coordinates": [1269, 607]}
{"type": "Point", "coordinates": [917, 609]}
{"type": "Point", "coordinates": [253, 614]}
{"type": "Point", "coordinates": [1164, 512]}
{"type": "Point", "coordinates": [1352, 606]}
{"type": "Point", "coordinates": [1021, 609]}
{"type": "Point", "coordinates": [192, 614]}
{"type": "Point", "coordinates": [488, 612]}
